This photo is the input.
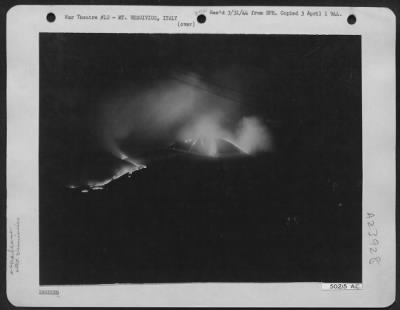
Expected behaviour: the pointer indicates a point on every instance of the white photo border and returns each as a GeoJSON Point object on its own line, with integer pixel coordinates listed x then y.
{"type": "Point", "coordinates": [376, 26]}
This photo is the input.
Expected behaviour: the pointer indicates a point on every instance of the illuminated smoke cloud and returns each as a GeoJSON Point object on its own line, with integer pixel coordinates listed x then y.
{"type": "Point", "coordinates": [253, 136]}
{"type": "Point", "coordinates": [136, 120]}
{"type": "Point", "coordinates": [205, 126]}
{"type": "Point", "coordinates": [250, 135]}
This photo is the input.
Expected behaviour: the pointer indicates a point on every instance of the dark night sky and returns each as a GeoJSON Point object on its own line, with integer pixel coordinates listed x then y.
{"type": "Point", "coordinates": [305, 89]}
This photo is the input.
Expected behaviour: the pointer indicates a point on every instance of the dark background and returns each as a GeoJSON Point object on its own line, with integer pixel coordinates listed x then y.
{"type": "Point", "coordinates": [290, 215]}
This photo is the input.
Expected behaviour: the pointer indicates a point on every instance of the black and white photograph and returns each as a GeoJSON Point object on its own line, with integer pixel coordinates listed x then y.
{"type": "Point", "coordinates": [201, 158]}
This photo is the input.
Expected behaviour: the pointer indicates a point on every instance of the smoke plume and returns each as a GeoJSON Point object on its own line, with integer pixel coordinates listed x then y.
{"type": "Point", "coordinates": [132, 122]}
{"type": "Point", "coordinates": [136, 120]}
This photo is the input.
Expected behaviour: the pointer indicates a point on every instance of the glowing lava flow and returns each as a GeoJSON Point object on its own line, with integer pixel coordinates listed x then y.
{"type": "Point", "coordinates": [99, 185]}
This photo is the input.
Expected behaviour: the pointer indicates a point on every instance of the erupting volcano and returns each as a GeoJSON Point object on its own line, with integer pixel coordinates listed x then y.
{"type": "Point", "coordinates": [209, 147]}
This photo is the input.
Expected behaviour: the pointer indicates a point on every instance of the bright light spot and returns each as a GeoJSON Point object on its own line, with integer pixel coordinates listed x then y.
{"type": "Point", "coordinates": [249, 137]}
{"type": "Point", "coordinates": [99, 185]}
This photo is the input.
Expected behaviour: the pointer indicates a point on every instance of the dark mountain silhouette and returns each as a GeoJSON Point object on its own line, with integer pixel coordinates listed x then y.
{"type": "Point", "coordinates": [185, 219]}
